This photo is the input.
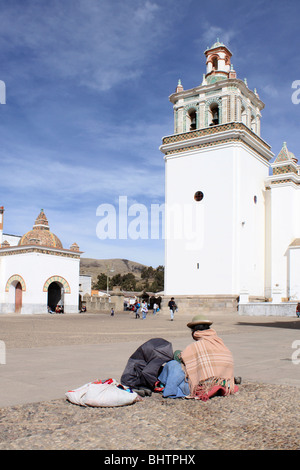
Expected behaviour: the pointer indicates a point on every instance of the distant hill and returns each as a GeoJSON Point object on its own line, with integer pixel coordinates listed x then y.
{"type": "Point", "coordinates": [93, 267]}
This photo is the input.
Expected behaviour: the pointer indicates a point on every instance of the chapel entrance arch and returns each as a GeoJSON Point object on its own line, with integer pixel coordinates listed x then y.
{"type": "Point", "coordinates": [56, 288]}
{"type": "Point", "coordinates": [55, 295]}
{"type": "Point", "coordinates": [15, 287]}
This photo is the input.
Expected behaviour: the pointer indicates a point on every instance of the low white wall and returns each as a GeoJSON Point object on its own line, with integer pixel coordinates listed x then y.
{"type": "Point", "coordinates": [284, 309]}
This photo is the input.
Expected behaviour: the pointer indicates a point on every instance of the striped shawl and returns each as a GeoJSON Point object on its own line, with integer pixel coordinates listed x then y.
{"type": "Point", "coordinates": [208, 363]}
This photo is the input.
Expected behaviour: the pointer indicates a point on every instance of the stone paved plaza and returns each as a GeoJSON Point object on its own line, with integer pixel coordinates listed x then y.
{"type": "Point", "coordinates": [46, 355]}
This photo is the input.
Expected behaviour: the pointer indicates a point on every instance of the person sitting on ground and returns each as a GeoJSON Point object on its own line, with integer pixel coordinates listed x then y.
{"type": "Point", "coordinates": [208, 362]}
{"type": "Point", "coordinates": [172, 380]}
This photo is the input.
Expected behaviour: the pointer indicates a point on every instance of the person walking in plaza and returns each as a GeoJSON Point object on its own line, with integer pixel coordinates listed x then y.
{"type": "Point", "coordinates": [173, 307]}
{"type": "Point", "coordinates": [155, 307]}
{"type": "Point", "coordinates": [144, 310]}
{"type": "Point", "coordinates": [136, 309]}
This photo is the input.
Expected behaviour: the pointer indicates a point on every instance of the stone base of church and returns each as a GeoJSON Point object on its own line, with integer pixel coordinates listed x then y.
{"type": "Point", "coordinates": [282, 309]}
{"type": "Point", "coordinates": [33, 309]}
{"type": "Point", "coordinates": [7, 308]}
{"type": "Point", "coordinates": [194, 304]}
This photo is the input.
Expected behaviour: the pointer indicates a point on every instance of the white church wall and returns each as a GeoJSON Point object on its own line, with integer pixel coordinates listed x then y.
{"type": "Point", "coordinates": [85, 284]}
{"type": "Point", "coordinates": [268, 244]}
{"type": "Point", "coordinates": [195, 261]}
{"type": "Point", "coordinates": [228, 253]}
{"type": "Point", "coordinates": [294, 273]}
{"type": "Point", "coordinates": [250, 223]}
{"type": "Point", "coordinates": [285, 228]}
{"type": "Point", "coordinates": [2, 280]}
{"type": "Point", "coordinates": [199, 265]}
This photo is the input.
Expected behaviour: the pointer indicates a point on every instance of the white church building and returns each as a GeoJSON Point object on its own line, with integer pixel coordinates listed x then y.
{"type": "Point", "coordinates": [36, 272]}
{"type": "Point", "coordinates": [232, 219]}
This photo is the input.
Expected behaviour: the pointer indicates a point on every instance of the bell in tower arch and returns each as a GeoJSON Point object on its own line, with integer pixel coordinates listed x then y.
{"type": "Point", "coordinates": [214, 115]}
{"type": "Point", "coordinates": [193, 121]}
{"type": "Point", "coordinates": [215, 119]}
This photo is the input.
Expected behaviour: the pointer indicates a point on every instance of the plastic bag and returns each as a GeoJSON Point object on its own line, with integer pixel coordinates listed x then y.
{"type": "Point", "coordinates": [76, 396]}
{"type": "Point", "coordinates": [102, 394]}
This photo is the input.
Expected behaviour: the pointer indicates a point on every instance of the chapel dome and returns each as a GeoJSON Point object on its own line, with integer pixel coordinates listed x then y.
{"type": "Point", "coordinates": [40, 234]}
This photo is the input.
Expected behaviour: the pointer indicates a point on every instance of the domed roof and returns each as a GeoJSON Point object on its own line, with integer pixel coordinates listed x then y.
{"type": "Point", "coordinates": [40, 234]}
{"type": "Point", "coordinates": [216, 45]}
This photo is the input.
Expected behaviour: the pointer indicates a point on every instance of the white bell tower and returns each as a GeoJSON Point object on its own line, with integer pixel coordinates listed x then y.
{"type": "Point", "coordinates": [215, 167]}
{"type": "Point", "coordinates": [1, 224]}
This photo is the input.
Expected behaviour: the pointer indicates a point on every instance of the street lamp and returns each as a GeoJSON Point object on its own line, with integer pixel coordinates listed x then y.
{"type": "Point", "coordinates": [107, 278]}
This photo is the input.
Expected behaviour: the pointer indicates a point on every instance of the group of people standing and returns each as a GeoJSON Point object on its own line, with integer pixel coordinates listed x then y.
{"type": "Point", "coordinates": [143, 309]}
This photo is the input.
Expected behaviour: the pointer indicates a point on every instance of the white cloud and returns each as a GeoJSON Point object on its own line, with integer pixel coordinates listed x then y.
{"type": "Point", "coordinates": [270, 90]}
{"type": "Point", "coordinates": [212, 33]}
{"type": "Point", "coordinates": [146, 12]}
{"type": "Point", "coordinates": [98, 44]}
{"type": "Point", "coordinates": [49, 179]}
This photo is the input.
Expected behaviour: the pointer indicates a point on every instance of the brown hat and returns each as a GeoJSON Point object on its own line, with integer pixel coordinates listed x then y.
{"type": "Point", "coordinates": [199, 320]}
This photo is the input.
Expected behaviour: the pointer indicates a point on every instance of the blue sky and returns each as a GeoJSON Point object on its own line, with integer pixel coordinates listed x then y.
{"type": "Point", "coordinates": [87, 87]}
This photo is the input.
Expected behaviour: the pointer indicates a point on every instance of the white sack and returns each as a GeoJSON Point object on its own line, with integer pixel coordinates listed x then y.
{"type": "Point", "coordinates": [101, 394]}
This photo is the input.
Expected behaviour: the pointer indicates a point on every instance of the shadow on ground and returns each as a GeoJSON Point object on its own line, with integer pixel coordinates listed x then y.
{"type": "Point", "coordinates": [293, 325]}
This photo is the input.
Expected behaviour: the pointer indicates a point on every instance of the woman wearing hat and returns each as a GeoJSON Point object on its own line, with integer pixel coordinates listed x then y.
{"type": "Point", "coordinates": [208, 362]}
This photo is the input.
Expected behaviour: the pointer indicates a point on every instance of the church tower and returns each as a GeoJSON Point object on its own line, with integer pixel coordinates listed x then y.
{"type": "Point", "coordinates": [283, 229]}
{"type": "Point", "coordinates": [1, 224]}
{"type": "Point", "coordinates": [216, 164]}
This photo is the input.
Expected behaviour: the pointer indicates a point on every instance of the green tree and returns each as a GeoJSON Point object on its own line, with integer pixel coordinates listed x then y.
{"type": "Point", "coordinates": [101, 282]}
{"type": "Point", "coordinates": [128, 282]}
{"type": "Point", "coordinates": [152, 279]}
{"type": "Point", "coordinates": [158, 282]}
{"type": "Point", "coordinates": [116, 280]}
{"type": "Point", "coordinates": [147, 272]}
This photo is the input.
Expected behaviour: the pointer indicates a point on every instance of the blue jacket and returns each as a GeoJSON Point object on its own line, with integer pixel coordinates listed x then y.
{"type": "Point", "coordinates": [173, 378]}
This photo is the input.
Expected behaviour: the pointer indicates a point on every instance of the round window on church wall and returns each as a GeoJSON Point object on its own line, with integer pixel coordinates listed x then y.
{"type": "Point", "coordinates": [198, 196]}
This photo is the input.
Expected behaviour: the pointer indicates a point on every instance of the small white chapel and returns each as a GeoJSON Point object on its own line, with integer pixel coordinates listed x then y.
{"type": "Point", "coordinates": [36, 272]}
{"type": "Point", "coordinates": [232, 224]}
